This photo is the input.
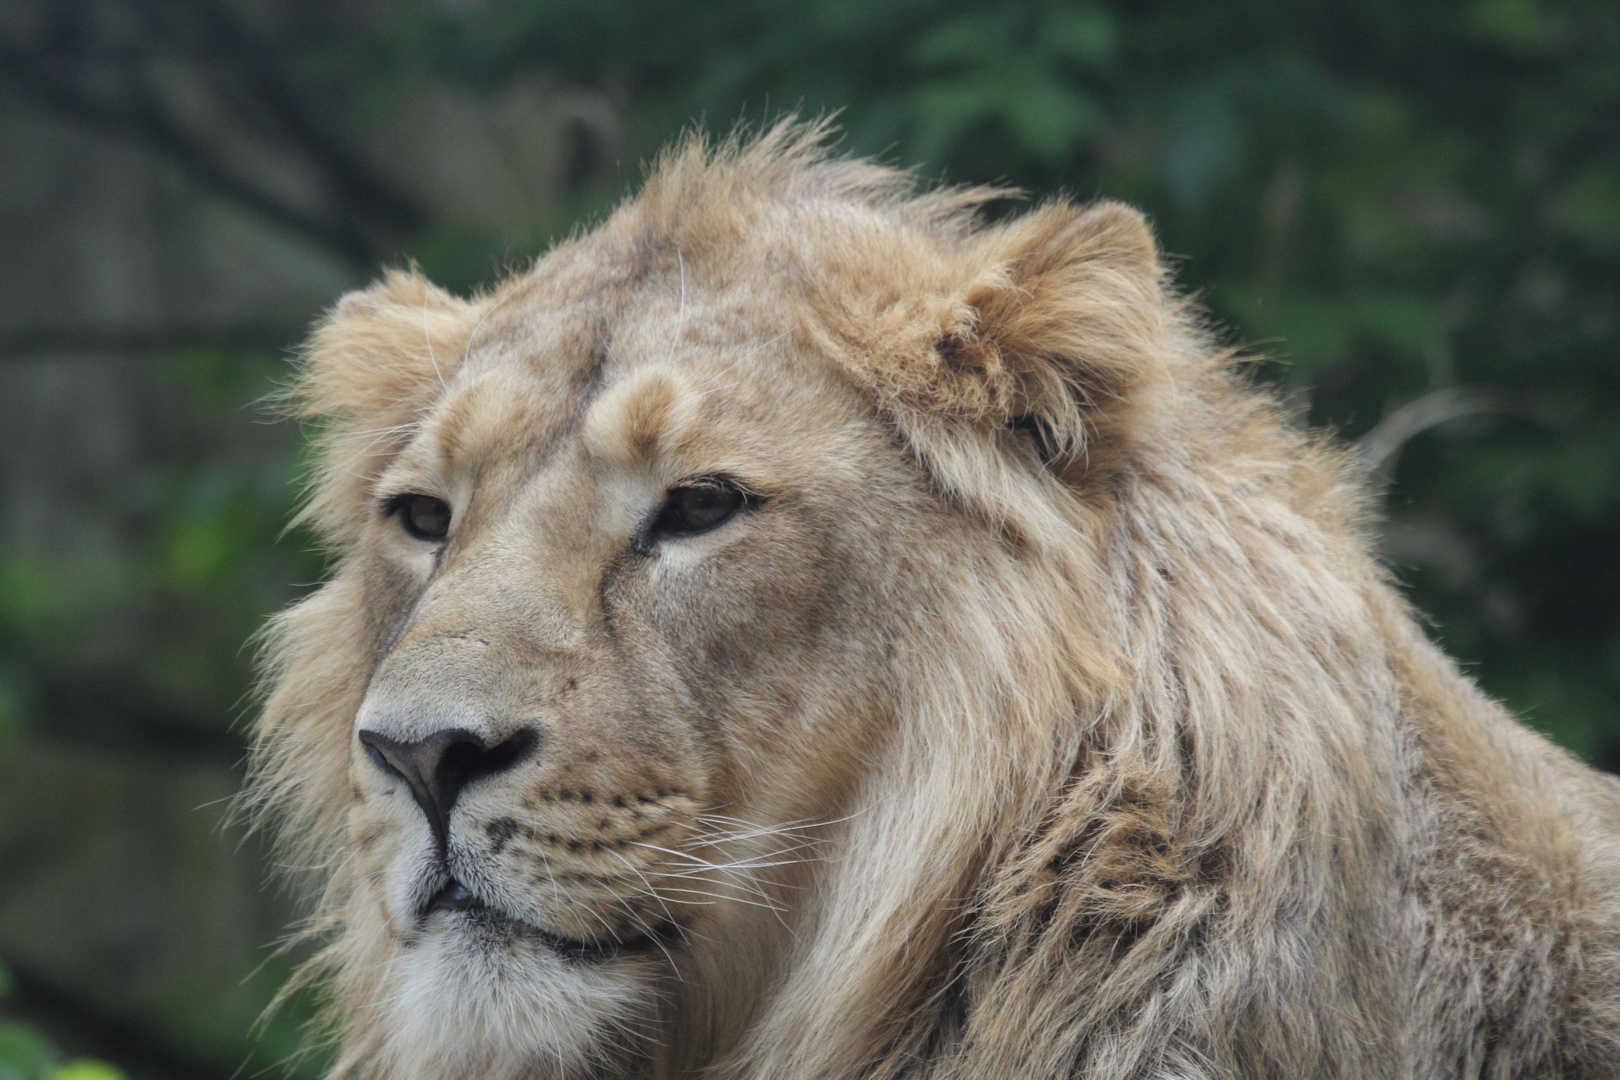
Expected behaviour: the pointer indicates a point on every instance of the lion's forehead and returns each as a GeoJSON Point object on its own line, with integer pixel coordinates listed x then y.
{"type": "Point", "coordinates": [660, 387]}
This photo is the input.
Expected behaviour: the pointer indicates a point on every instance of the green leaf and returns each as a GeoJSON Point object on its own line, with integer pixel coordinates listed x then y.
{"type": "Point", "coordinates": [84, 1069]}
{"type": "Point", "coordinates": [24, 1053]}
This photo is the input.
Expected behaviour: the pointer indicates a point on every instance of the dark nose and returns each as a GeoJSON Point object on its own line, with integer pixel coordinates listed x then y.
{"type": "Point", "coordinates": [438, 767]}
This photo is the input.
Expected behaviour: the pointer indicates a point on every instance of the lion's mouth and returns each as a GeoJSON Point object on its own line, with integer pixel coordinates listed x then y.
{"type": "Point", "coordinates": [456, 899]}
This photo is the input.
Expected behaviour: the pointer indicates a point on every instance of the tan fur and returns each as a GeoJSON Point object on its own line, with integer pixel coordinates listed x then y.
{"type": "Point", "coordinates": [1044, 716]}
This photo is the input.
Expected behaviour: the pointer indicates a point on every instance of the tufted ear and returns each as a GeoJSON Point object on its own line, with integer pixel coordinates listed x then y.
{"type": "Point", "coordinates": [1054, 325]}
{"type": "Point", "coordinates": [378, 360]}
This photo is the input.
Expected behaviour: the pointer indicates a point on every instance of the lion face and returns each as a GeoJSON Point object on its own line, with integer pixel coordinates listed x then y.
{"type": "Point", "coordinates": [631, 572]}
{"type": "Point", "coordinates": [703, 599]}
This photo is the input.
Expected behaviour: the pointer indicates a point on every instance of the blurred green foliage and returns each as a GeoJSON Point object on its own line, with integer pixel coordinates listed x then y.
{"type": "Point", "coordinates": [161, 620]}
{"type": "Point", "coordinates": [1389, 202]}
{"type": "Point", "coordinates": [1384, 199]}
{"type": "Point", "coordinates": [26, 1055]}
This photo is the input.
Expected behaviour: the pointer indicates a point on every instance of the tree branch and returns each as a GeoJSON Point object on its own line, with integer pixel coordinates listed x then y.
{"type": "Point", "coordinates": [146, 120]}
{"type": "Point", "coordinates": [98, 710]}
{"type": "Point", "coordinates": [29, 342]}
{"type": "Point", "coordinates": [1381, 446]}
{"type": "Point", "coordinates": [359, 185]}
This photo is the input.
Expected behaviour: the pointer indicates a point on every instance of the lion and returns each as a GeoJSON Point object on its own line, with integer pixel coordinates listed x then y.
{"type": "Point", "coordinates": [805, 627]}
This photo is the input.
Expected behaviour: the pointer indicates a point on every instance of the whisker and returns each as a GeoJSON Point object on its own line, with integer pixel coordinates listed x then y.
{"type": "Point", "coordinates": [717, 898]}
{"type": "Point", "coordinates": [432, 359]}
{"type": "Point", "coordinates": [680, 312]}
{"type": "Point", "coordinates": [652, 933]}
{"type": "Point", "coordinates": [650, 890]}
{"type": "Point", "coordinates": [473, 333]}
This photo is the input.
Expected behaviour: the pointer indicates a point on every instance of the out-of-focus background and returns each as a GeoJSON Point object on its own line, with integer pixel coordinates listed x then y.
{"type": "Point", "coordinates": [1410, 208]}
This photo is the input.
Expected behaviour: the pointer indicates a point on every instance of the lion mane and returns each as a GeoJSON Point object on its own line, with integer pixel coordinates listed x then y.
{"type": "Point", "coordinates": [1040, 710]}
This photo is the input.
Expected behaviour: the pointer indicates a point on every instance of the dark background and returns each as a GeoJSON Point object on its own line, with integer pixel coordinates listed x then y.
{"type": "Point", "coordinates": [1409, 211]}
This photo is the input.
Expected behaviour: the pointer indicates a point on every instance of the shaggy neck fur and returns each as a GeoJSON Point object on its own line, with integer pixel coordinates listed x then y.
{"type": "Point", "coordinates": [1152, 707]}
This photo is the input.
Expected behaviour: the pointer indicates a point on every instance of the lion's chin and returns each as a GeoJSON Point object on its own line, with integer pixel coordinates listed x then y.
{"type": "Point", "coordinates": [481, 995]}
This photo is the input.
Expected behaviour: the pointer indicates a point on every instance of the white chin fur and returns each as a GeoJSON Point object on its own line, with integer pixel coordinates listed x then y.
{"type": "Point", "coordinates": [459, 1008]}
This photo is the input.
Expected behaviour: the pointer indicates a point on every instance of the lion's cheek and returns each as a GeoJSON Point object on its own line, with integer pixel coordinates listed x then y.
{"type": "Point", "coordinates": [753, 629]}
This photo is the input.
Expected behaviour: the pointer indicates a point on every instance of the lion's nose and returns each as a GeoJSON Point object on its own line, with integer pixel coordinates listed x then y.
{"type": "Point", "coordinates": [438, 767]}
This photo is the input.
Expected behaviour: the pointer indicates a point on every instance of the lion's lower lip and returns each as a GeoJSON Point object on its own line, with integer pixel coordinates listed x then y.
{"type": "Point", "coordinates": [453, 896]}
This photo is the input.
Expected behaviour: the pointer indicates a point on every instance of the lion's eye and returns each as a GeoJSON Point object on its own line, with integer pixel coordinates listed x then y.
{"type": "Point", "coordinates": [694, 509]}
{"type": "Point", "coordinates": [424, 517]}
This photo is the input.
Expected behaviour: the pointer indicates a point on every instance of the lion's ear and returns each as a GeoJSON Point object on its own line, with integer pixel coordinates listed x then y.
{"type": "Point", "coordinates": [1064, 326]}
{"type": "Point", "coordinates": [1051, 323]}
{"type": "Point", "coordinates": [373, 366]}
{"type": "Point", "coordinates": [384, 348]}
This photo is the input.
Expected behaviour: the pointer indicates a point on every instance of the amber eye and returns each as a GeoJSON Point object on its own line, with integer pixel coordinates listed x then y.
{"type": "Point", "coordinates": [694, 509]}
{"type": "Point", "coordinates": [424, 517]}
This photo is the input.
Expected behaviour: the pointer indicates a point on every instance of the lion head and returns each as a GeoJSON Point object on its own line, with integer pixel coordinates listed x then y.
{"type": "Point", "coordinates": [745, 622]}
